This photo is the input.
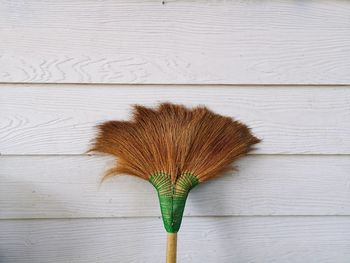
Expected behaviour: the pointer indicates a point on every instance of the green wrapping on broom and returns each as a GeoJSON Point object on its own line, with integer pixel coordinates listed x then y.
{"type": "Point", "coordinates": [174, 148]}
{"type": "Point", "coordinates": [172, 197]}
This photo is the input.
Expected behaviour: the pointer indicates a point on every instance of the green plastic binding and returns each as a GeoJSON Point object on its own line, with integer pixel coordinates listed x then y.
{"type": "Point", "coordinates": [172, 197]}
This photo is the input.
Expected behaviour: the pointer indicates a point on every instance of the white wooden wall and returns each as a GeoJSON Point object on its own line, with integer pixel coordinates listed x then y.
{"type": "Point", "coordinates": [283, 67]}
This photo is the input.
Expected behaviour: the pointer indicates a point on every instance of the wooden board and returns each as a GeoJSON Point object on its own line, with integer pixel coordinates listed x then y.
{"type": "Point", "coordinates": [60, 119]}
{"type": "Point", "coordinates": [282, 67]}
{"type": "Point", "coordinates": [69, 187]}
{"type": "Point", "coordinates": [218, 239]}
{"type": "Point", "coordinates": [218, 42]}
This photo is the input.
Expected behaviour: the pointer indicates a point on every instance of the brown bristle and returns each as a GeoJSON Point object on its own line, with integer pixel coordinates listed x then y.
{"type": "Point", "coordinates": [174, 139]}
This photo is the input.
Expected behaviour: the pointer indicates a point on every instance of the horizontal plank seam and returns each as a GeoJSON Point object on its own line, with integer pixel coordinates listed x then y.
{"type": "Point", "coordinates": [181, 84]}
{"type": "Point", "coordinates": [249, 154]}
{"type": "Point", "coordinates": [159, 217]}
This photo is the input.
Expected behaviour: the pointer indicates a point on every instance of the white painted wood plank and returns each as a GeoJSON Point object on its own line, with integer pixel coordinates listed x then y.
{"type": "Point", "coordinates": [60, 119]}
{"type": "Point", "coordinates": [224, 240]}
{"type": "Point", "coordinates": [69, 187]}
{"type": "Point", "coordinates": [219, 42]}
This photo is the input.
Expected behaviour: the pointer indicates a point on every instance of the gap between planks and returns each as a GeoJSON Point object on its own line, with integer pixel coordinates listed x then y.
{"type": "Point", "coordinates": [98, 155]}
{"type": "Point", "coordinates": [329, 85]}
{"type": "Point", "coordinates": [159, 217]}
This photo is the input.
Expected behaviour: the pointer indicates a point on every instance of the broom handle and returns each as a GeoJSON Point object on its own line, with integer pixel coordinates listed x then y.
{"type": "Point", "coordinates": [171, 248]}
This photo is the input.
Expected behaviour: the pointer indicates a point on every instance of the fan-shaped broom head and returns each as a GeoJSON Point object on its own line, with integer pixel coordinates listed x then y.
{"type": "Point", "coordinates": [174, 148]}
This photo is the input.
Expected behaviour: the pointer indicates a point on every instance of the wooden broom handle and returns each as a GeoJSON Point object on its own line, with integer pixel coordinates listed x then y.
{"type": "Point", "coordinates": [171, 248]}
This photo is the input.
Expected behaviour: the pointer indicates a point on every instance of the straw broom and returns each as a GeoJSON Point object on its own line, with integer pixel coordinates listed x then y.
{"type": "Point", "coordinates": [175, 149]}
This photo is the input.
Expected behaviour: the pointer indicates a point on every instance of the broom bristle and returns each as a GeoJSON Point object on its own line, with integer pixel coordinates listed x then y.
{"type": "Point", "coordinates": [174, 148]}
{"type": "Point", "coordinates": [174, 140]}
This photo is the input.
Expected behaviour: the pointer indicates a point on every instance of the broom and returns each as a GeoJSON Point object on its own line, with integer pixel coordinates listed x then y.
{"type": "Point", "coordinates": [175, 149]}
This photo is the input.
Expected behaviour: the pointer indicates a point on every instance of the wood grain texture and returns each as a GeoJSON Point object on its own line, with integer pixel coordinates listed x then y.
{"type": "Point", "coordinates": [69, 187]}
{"type": "Point", "coordinates": [221, 239]}
{"type": "Point", "coordinates": [218, 42]}
{"type": "Point", "coordinates": [290, 200]}
{"type": "Point", "coordinates": [60, 119]}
